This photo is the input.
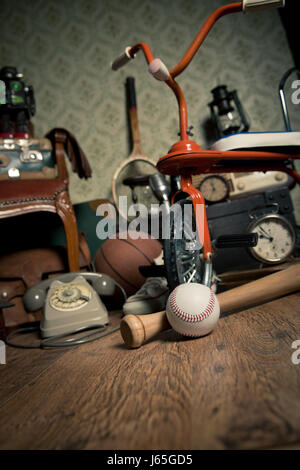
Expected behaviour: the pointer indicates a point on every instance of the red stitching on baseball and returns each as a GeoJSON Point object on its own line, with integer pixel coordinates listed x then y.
{"type": "Point", "coordinates": [192, 318]}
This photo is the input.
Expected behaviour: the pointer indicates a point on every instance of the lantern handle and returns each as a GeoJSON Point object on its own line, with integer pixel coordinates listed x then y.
{"type": "Point", "coordinates": [282, 96]}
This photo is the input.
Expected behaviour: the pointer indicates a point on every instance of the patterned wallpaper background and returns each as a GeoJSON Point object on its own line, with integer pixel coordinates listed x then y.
{"type": "Point", "coordinates": [64, 48]}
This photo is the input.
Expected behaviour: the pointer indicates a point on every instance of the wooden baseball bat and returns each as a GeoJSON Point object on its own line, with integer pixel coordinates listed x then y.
{"type": "Point", "coordinates": [136, 329]}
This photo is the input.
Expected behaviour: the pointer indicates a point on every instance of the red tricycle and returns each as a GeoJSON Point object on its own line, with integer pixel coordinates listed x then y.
{"type": "Point", "coordinates": [243, 152]}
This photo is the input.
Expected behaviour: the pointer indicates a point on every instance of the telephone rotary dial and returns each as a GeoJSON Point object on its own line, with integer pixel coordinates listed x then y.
{"type": "Point", "coordinates": [70, 296]}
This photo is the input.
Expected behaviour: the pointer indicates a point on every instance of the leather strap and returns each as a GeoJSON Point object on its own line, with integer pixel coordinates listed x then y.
{"type": "Point", "coordinates": [76, 155]}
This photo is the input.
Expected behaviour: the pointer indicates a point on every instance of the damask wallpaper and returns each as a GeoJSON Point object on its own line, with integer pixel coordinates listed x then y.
{"type": "Point", "coordinates": [64, 49]}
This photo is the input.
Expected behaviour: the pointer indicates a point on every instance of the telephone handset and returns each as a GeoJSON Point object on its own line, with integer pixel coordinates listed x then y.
{"type": "Point", "coordinates": [70, 302]}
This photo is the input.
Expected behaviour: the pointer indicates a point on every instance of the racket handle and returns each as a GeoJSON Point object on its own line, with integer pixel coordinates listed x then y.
{"type": "Point", "coordinates": [131, 95]}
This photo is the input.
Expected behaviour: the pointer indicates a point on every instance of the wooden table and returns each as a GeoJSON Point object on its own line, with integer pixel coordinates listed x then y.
{"type": "Point", "coordinates": [234, 389]}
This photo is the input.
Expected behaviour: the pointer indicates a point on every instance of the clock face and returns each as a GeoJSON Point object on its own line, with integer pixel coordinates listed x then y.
{"type": "Point", "coordinates": [214, 188]}
{"type": "Point", "coordinates": [276, 239]}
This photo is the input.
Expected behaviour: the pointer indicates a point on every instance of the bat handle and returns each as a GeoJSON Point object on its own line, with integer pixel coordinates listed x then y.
{"type": "Point", "coordinates": [136, 329]}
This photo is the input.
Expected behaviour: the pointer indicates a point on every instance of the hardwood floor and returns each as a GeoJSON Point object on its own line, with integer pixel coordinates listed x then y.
{"type": "Point", "coordinates": [234, 389]}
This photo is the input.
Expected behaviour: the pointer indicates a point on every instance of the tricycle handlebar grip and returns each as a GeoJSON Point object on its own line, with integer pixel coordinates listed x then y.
{"type": "Point", "coordinates": [251, 5]}
{"type": "Point", "coordinates": [122, 59]}
{"type": "Point", "coordinates": [159, 70]}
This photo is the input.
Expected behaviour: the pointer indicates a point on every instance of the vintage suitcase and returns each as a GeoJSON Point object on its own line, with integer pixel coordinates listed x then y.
{"type": "Point", "coordinates": [26, 159]}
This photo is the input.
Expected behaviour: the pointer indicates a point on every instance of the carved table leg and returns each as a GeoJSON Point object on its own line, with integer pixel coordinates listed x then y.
{"type": "Point", "coordinates": [66, 212]}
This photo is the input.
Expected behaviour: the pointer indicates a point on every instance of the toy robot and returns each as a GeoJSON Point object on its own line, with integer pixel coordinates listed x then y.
{"type": "Point", "coordinates": [17, 104]}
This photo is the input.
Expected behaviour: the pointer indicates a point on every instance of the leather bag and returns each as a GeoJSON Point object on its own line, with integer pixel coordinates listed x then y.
{"type": "Point", "coordinates": [23, 269]}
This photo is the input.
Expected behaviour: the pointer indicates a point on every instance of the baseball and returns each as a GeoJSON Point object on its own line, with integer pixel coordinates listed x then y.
{"type": "Point", "coordinates": [193, 309]}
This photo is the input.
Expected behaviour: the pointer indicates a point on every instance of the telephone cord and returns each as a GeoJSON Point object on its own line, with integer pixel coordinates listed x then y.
{"type": "Point", "coordinates": [51, 341]}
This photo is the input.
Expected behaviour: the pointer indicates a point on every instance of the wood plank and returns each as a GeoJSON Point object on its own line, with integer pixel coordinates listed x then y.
{"type": "Point", "coordinates": [253, 398]}
{"type": "Point", "coordinates": [25, 365]}
{"type": "Point", "coordinates": [234, 389]}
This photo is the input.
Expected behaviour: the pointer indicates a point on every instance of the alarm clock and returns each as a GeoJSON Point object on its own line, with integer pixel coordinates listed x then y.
{"type": "Point", "coordinates": [276, 238]}
{"type": "Point", "coordinates": [214, 188]}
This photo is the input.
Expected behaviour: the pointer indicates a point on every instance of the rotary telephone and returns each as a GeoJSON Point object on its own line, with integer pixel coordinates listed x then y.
{"type": "Point", "coordinates": [71, 303]}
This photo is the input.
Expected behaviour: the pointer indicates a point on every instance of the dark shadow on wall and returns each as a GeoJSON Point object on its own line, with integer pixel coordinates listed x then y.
{"type": "Point", "coordinates": [290, 19]}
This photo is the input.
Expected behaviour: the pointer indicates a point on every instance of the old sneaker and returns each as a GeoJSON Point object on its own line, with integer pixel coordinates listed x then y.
{"type": "Point", "coordinates": [151, 297]}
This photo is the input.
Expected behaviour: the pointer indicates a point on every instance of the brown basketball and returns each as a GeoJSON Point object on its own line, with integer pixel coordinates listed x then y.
{"type": "Point", "coordinates": [120, 258]}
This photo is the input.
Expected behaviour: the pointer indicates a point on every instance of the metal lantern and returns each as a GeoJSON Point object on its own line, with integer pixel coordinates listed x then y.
{"type": "Point", "coordinates": [227, 112]}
